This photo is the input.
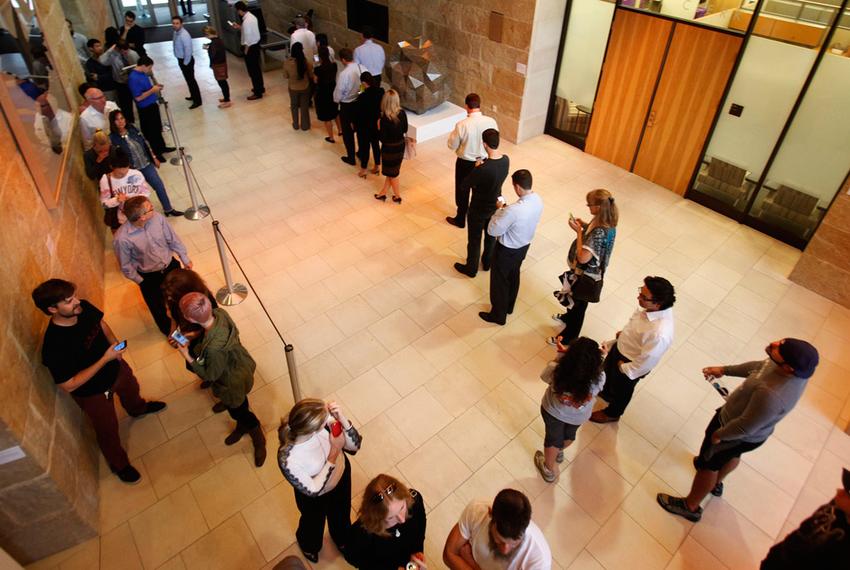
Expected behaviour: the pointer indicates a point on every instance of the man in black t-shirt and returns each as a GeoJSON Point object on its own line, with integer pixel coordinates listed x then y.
{"type": "Point", "coordinates": [82, 354]}
{"type": "Point", "coordinates": [485, 181]}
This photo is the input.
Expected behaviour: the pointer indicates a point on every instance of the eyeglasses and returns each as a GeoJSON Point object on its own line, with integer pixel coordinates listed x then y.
{"type": "Point", "coordinates": [381, 495]}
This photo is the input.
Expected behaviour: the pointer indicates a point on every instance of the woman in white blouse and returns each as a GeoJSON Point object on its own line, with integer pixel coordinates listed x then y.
{"type": "Point", "coordinates": [313, 441]}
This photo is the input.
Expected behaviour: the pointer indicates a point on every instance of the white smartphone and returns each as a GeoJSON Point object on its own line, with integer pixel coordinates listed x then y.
{"type": "Point", "coordinates": [178, 336]}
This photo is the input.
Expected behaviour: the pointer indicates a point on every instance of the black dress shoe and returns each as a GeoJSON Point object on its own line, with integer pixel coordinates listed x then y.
{"type": "Point", "coordinates": [187, 98]}
{"type": "Point", "coordinates": [490, 318]}
{"type": "Point", "coordinates": [347, 160]}
{"type": "Point", "coordinates": [151, 408]}
{"type": "Point", "coordinates": [194, 105]}
{"type": "Point", "coordinates": [169, 149]}
{"type": "Point", "coordinates": [174, 213]}
{"type": "Point", "coordinates": [461, 268]}
{"type": "Point", "coordinates": [455, 222]}
{"type": "Point", "coordinates": [254, 97]}
{"type": "Point", "coordinates": [161, 158]}
{"type": "Point", "coordinates": [129, 475]}
{"type": "Point", "coordinates": [485, 265]}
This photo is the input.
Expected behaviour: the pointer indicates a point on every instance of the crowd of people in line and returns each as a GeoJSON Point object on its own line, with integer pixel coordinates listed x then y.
{"type": "Point", "coordinates": [85, 357]}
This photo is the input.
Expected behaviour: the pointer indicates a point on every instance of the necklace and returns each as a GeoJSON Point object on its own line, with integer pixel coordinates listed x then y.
{"type": "Point", "coordinates": [397, 533]}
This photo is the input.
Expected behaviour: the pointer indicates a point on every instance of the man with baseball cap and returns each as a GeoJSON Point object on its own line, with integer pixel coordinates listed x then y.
{"type": "Point", "coordinates": [822, 541]}
{"type": "Point", "coordinates": [771, 390]}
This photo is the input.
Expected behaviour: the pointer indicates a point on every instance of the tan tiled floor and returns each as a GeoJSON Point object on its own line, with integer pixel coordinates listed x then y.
{"type": "Point", "coordinates": [382, 323]}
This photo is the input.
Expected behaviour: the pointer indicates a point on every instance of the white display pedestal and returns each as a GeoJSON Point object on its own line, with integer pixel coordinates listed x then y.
{"type": "Point", "coordinates": [438, 121]}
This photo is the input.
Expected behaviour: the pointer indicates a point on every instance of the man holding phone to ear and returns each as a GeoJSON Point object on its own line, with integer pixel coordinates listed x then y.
{"type": "Point", "coordinates": [85, 359]}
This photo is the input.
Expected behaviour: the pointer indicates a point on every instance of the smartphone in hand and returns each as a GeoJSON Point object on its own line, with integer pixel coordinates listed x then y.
{"type": "Point", "coordinates": [336, 429]}
{"type": "Point", "coordinates": [179, 338]}
{"type": "Point", "coordinates": [120, 346]}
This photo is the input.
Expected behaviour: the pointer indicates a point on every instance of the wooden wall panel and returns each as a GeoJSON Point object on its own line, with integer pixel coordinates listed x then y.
{"type": "Point", "coordinates": [695, 74]}
{"type": "Point", "coordinates": [632, 62]}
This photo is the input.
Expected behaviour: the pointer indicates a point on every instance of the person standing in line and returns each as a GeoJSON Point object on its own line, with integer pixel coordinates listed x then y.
{"type": "Point", "coordinates": [99, 74]}
{"type": "Point", "coordinates": [298, 71]}
{"type": "Point", "coordinates": [574, 381]}
{"type": "Point", "coordinates": [313, 440]}
{"type": "Point", "coordinates": [146, 95]}
{"type": "Point", "coordinates": [97, 159]}
{"type": "Point", "coordinates": [389, 531]}
{"type": "Point", "coordinates": [186, 7]}
{"type": "Point", "coordinates": [346, 92]}
{"type": "Point", "coordinates": [218, 62]}
{"type": "Point", "coordinates": [514, 228]}
{"type": "Point", "coordinates": [366, 122]}
{"type": "Point", "coordinates": [250, 29]}
{"type": "Point", "coordinates": [638, 348]}
{"type": "Point", "coordinates": [221, 360]}
{"type": "Point", "coordinates": [121, 184]}
{"type": "Point", "coordinates": [80, 42]}
{"type": "Point", "coordinates": [142, 157]}
{"type": "Point", "coordinates": [589, 255]}
{"type": "Point", "coordinates": [86, 360]}
{"type": "Point", "coordinates": [95, 117]}
{"type": "Point", "coordinates": [145, 248]}
{"type": "Point", "coordinates": [119, 57]}
{"type": "Point", "coordinates": [370, 55]}
{"type": "Point", "coordinates": [322, 40]}
{"type": "Point", "coordinates": [772, 388]}
{"type": "Point", "coordinates": [305, 37]}
{"type": "Point", "coordinates": [465, 140]}
{"type": "Point", "coordinates": [485, 182]}
{"type": "Point", "coordinates": [182, 44]}
{"type": "Point", "coordinates": [326, 109]}
{"type": "Point", "coordinates": [133, 34]}
{"type": "Point", "coordinates": [392, 130]}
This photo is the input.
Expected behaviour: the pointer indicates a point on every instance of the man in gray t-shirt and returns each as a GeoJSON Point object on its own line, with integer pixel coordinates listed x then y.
{"type": "Point", "coordinates": [771, 390]}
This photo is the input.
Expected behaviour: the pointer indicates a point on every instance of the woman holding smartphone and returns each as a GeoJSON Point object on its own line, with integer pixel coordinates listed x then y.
{"type": "Point", "coordinates": [313, 440]}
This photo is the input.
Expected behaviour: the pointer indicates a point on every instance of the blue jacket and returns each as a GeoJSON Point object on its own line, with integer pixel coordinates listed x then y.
{"type": "Point", "coordinates": [132, 132]}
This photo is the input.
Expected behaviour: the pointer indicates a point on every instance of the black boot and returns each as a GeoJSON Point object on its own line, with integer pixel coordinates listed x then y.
{"type": "Point", "coordinates": [259, 440]}
{"type": "Point", "coordinates": [235, 435]}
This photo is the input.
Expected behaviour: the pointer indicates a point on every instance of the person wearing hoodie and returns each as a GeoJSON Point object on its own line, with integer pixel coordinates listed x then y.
{"type": "Point", "coordinates": [221, 359]}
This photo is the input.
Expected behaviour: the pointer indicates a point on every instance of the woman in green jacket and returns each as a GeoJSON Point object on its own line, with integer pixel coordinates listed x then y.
{"type": "Point", "coordinates": [222, 360]}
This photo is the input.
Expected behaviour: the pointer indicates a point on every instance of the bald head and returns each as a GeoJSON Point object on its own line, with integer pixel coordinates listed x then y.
{"type": "Point", "coordinates": [96, 99]}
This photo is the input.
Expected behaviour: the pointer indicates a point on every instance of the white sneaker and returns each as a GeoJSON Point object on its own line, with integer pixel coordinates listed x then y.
{"type": "Point", "coordinates": [557, 318]}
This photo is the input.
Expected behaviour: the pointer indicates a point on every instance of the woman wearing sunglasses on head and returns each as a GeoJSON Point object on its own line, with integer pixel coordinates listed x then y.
{"type": "Point", "coordinates": [390, 530]}
{"type": "Point", "coordinates": [313, 439]}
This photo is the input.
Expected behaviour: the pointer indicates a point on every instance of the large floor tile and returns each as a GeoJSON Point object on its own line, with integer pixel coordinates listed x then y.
{"type": "Point", "coordinates": [474, 438]}
{"type": "Point", "coordinates": [594, 485]}
{"type": "Point", "coordinates": [272, 519]}
{"type": "Point", "coordinates": [567, 527]}
{"type": "Point", "coordinates": [620, 539]}
{"type": "Point", "coordinates": [226, 488]}
{"type": "Point", "coordinates": [229, 546]}
{"type": "Point", "coordinates": [434, 469]}
{"type": "Point", "coordinates": [177, 462]}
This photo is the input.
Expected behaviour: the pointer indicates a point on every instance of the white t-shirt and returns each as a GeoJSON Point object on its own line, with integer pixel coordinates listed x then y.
{"type": "Point", "coordinates": [532, 554]}
{"type": "Point", "coordinates": [132, 184]}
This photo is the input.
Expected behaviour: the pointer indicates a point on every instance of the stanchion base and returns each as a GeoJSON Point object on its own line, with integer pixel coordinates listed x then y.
{"type": "Point", "coordinates": [197, 214]}
{"type": "Point", "coordinates": [229, 298]}
{"type": "Point", "coordinates": [177, 161]}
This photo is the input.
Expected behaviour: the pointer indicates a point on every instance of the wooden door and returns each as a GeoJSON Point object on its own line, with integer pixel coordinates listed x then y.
{"type": "Point", "coordinates": [629, 74]}
{"type": "Point", "coordinates": [694, 77]}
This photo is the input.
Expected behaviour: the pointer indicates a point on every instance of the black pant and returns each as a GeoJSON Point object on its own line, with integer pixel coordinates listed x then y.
{"type": "Point", "coordinates": [188, 70]}
{"type": "Point", "coordinates": [243, 415]}
{"type": "Point", "coordinates": [299, 106]}
{"type": "Point", "coordinates": [619, 388]}
{"type": "Point", "coordinates": [150, 123]}
{"type": "Point", "coordinates": [504, 280]}
{"type": "Point", "coordinates": [186, 7]}
{"type": "Point", "coordinates": [252, 63]}
{"type": "Point", "coordinates": [151, 287]}
{"type": "Point", "coordinates": [573, 319]}
{"type": "Point", "coordinates": [476, 228]}
{"type": "Point", "coordinates": [346, 118]}
{"type": "Point", "coordinates": [225, 89]}
{"type": "Point", "coordinates": [367, 137]}
{"type": "Point", "coordinates": [462, 170]}
{"type": "Point", "coordinates": [125, 101]}
{"type": "Point", "coordinates": [334, 505]}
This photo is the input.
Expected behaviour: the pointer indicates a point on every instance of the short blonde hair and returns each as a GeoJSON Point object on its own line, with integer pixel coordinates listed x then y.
{"type": "Point", "coordinates": [100, 139]}
{"type": "Point", "coordinates": [210, 31]}
{"type": "Point", "coordinates": [390, 105]}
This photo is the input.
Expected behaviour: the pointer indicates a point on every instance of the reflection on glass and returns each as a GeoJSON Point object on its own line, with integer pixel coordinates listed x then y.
{"type": "Point", "coordinates": [814, 158]}
{"type": "Point", "coordinates": [716, 13]}
{"type": "Point", "coordinates": [33, 87]}
{"type": "Point", "coordinates": [581, 63]}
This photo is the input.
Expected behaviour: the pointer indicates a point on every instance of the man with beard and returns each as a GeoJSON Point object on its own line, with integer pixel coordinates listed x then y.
{"type": "Point", "coordinates": [86, 360]}
{"type": "Point", "coordinates": [501, 536]}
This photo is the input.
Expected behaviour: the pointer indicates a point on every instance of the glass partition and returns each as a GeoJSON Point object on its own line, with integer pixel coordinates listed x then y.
{"type": "Point", "coordinates": [715, 13]}
{"type": "Point", "coordinates": [589, 23]}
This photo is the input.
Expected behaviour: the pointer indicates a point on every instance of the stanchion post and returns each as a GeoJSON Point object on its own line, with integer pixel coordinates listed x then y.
{"type": "Point", "coordinates": [232, 293]}
{"type": "Point", "coordinates": [197, 211]}
{"type": "Point", "coordinates": [289, 350]}
{"type": "Point", "coordinates": [181, 157]}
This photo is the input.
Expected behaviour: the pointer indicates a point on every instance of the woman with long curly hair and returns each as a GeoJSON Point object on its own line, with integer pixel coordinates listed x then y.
{"type": "Point", "coordinates": [574, 381]}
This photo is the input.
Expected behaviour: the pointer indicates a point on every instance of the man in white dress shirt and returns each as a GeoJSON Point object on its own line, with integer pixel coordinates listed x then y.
{"type": "Point", "coordinates": [514, 227]}
{"type": "Point", "coordinates": [370, 55]}
{"type": "Point", "coordinates": [95, 117]}
{"type": "Point", "coordinates": [251, 47]}
{"type": "Point", "coordinates": [305, 37]}
{"type": "Point", "coordinates": [638, 348]}
{"type": "Point", "coordinates": [345, 93]}
{"type": "Point", "coordinates": [466, 142]}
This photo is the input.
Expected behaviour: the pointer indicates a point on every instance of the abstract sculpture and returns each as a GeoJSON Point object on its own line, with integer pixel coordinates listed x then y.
{"type": "Point", "coordinates": [421, 85]}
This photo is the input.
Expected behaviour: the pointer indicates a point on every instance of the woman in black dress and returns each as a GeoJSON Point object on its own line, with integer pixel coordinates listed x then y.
{"type": "Point", "coordinates": [366, 122]}
{"type": "Point", "coordinates": [393, 128]}
{"type": "Point", "coordinates": [326, 109]}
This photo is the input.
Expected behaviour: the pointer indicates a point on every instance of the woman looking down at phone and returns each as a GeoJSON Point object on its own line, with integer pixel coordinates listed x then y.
{"type": "Point", "coordinates": [222, 360]}
{"type": "Point", "coordinates": [313, 438]}
{"type": "Point", "coordinates": [390, 530]}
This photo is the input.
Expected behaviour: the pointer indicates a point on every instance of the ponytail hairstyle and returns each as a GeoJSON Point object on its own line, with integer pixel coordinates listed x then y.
{"type": "Point", "coordinates": [608, 214]}
{"type": "Point", "coordinates": [306, 417]}
{"type": "Point", "coordinates": [297, 52]}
